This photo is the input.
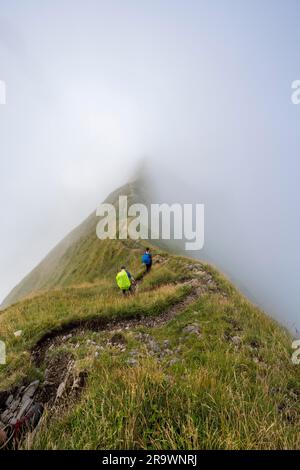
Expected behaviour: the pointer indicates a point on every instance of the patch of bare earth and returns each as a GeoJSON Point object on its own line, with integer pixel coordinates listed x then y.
{"type": "Point", "coordinates": [62, 383]}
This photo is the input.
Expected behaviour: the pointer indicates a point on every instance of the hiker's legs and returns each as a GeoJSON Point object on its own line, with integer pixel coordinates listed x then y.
{"type": "Point", "coordinates": [148, 267]}
{"type": "Point", "coordinates": [127, 291]}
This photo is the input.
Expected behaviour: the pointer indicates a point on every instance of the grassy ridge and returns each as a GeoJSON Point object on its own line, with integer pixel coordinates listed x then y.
{"type": "Point", "coordinates": [51, 311]}
{"type": "Point", "coordinates": [216, 395]}
{"type": "Point", "coordinates": [81, 256]}
{"type": "Point", "coordinates": [206, 391]}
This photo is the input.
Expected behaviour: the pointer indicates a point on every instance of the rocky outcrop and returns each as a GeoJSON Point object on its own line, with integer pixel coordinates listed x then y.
{"type": "Point", "coordinates": [18, 404]}
{"type": "Point", "coordinates": [20, 412]}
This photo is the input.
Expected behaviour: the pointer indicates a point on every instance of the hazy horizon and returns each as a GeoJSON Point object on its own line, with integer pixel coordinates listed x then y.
{"type": "Point", "coordinates": [200, 90]}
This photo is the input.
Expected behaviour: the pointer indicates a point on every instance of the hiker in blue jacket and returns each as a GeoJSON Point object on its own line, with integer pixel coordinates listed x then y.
{"type": "Point", "coordinates": [147, 259]}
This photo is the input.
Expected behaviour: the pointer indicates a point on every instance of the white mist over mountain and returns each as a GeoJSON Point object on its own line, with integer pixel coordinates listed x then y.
{"type": "Point", "coordinates": [202, 89]}
{"type": "Point", "coordinates": [241, 236]}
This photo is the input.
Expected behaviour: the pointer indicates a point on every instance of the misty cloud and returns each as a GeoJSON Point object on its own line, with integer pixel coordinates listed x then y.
{"type": "Point", "coordinates": [202, 89]}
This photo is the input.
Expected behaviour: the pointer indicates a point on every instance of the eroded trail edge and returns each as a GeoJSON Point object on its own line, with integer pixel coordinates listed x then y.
{"type": "Point", "coordinates": [22, 407]}
{"type": "Point", "coordinates": [55, 336]}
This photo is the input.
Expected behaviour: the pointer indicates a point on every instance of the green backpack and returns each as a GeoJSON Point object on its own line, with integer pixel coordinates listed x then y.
{"type": "Point", "coordinates": [123, 280]}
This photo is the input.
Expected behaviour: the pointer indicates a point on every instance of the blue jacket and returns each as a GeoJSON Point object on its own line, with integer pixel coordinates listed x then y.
{"type": "Point", "coordinates": [147, 258]}
{"type": "Point", "coordinates": [128, 274]}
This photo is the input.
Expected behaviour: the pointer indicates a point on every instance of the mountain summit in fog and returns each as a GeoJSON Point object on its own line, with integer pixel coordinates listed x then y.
{"type": "Point", "coordinates": [185, 361]}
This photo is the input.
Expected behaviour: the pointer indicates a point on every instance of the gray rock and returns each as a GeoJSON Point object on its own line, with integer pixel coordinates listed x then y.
{"type": "Point", "coordinates": [293, 395]}
{"type": "Point", "coordinates": [131, 362]}
{"type": "Point", "coordinates": [26, 403]}
{"type": "Point", "coordinates": [192, 329]}
{"type": "Point", "coordinates": [30, 390]}
{"type": "Point", "coordinates": [21, 390]}
{"type": "Point", "coordinates": [77, 383]}
{"type": "Point", "coordinates": [66, 337]}
{"type": "Point", "coordinates": [18, 333]}
{"type": "Point", "coordinates": [134, 352]}
{"type": "Point", "coordinates": [63, 385]}
{"type": "Point", "coordinates": [47, 383]}
{"type": "Point", "coordinates": [60, 390]}
{"type": "Point", "coordinates": [154, 346]}
{"type": "Point", "coordinates": [173, 361]}
{"type": "Point", "coordinates": [6, 416]}
{"type": "Point", "coordinates": [14, 405]}
{"type": "Point", "coordinates": [9, 400]}
{"type": "Point", "coordinates": [236, 340]}
{"type": "Point", "coordinates": [118, 339]}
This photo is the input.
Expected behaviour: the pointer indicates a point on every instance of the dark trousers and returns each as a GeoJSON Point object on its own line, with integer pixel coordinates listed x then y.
{"type": "Point", "coordinates": [148, 267]}
{"type": "Point", "coordinates": [126, 290]}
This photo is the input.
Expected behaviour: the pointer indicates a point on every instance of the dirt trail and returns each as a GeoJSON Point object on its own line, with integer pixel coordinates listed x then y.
{"type": "Point", "coordinates": [201, 283]}
{"type": "Point", "coordinates": [55, 337]}
{"type": "Point", "coordinates": [62, 384]}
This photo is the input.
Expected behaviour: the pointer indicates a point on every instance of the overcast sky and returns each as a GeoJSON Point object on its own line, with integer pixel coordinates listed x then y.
{"type": "Point", "coordinates": [201, 88]}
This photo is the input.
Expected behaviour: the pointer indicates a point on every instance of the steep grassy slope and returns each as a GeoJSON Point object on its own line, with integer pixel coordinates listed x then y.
{"type": "Point", "coordinates": [185, 362]}
{"type": "Point", "coordinates": [80, 256]}
{"type": "Point", "coordinates": [216, 374]}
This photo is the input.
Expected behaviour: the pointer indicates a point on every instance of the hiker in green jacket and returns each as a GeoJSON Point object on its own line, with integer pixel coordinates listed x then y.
{"type": "Point", "coordinates": [125, 280]}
